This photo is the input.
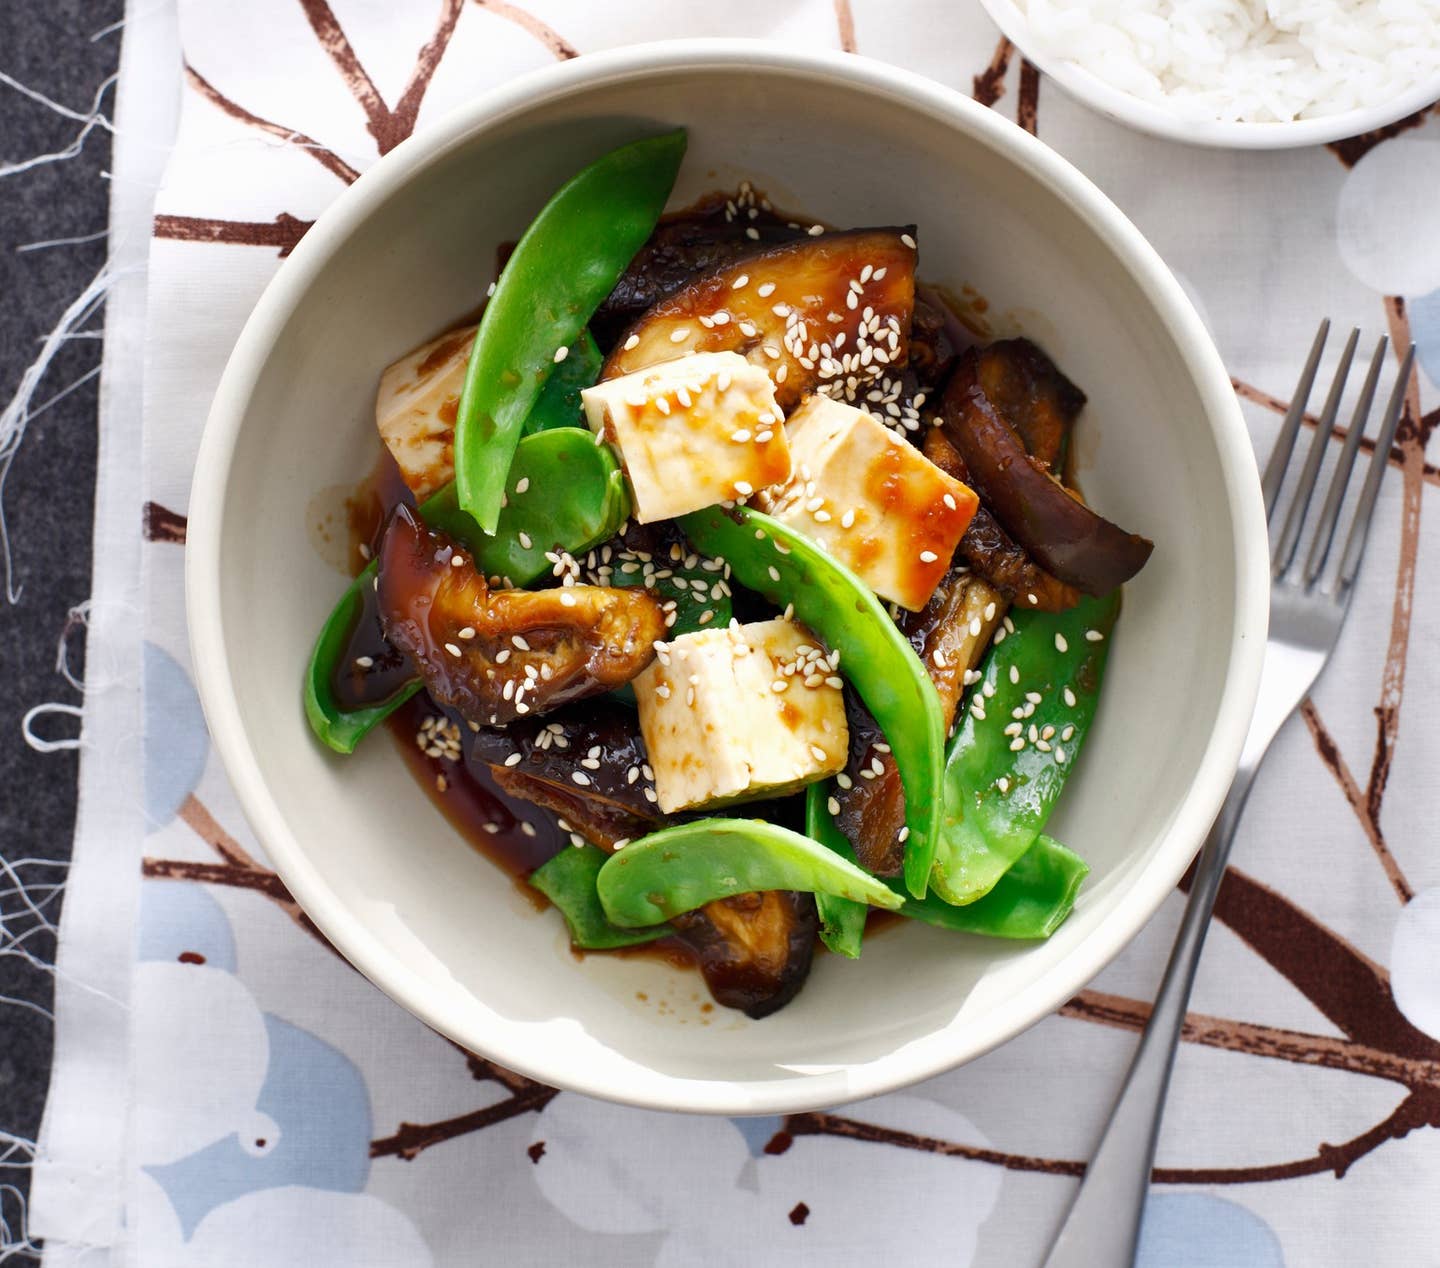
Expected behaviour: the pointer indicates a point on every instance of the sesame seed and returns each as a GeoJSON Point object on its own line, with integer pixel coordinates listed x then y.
{"type": "Point", "coordinates": [663, 691]}
{"type": "Point", "coordinates": [1069, 697]}
{"type": "Point", "coordinates": [581, 778]}
{"type": "Point", "coordinates": [650, 795]}
{"type": "Point", "coordinates": [975, 627]}
{"type": "Point", "coordinates": [1059, 755]}
{"type": "Point", "coordinates": [502, 655]}
{"type": "Point", "coordinates": [833, 806]}
{"type": "Point", "coordinates": [774, 572]}
{"type": "Point", "coordinates": [525, 541]}
{"type": "Point", "coordinates": [818, 754]}
{"type": "Point", "coordinates": [928, 556]}
{"type": "Point", "coordinates": [1093, 636]}
{"type": "Point", "coordinates": [753, 234]}
{"type": "Point", "coordinates": [1014, 728]}
{"type": "Point", "coordinates": [950, 502]}
{"type": "Point", "coordinates": [1060, 644]}
{"type": "Point", "coordinates": [1033, 733]}
{"type": "Point", "coordinates": [765, 290]}
{"type": "Point", "coordinates": [779, 685]}
{"type": "Point", "coordinates": [904, 834]}
{"type": "Point", "coordinates": [522, 485]}
{"type": "Point", "coordinates": [742, 280]}
{"type": "Point", "coordinates": [632, 342]}
{"type": "Point", "coordinates": [457, 561]}
{"type": "Point", "coordinates": [1034, 697]}
{"type": "Point", "coordinates": [1017, 744]}
{"type": "Point", "coordinates": [1003, 784]}
{"type": "Point", "coordinates": [1067, 733]}
{"type": "Point", "coordinates": [513, 760]}
{"type": "Point", "coordinates": [1033, 601]}
{"type": "Point", "coordinates": [561, 354]}
{"type": "Point", "coordinates": [662, 404]}
{"type": "Point", "coordinates": [845, 782]}
{"type": "Point", "coordinates": [908, 240]}
{"type": "Point", "coordinates": [990, 611]}
{"type": "Point", "coordinates": [1014, 675]}
{"type": "Point", "coordinates": [567, 600]}
{"type": "Point", "coordinates": [519, 641]}
{"type": "Point", "coordinates": [743, 488]}
{"type": "Point", "coordinates": [527, 827]}
{"type": "Point", "coordinates": [740, 437]}
{"type": "Point", "coordinates": [364, 662]}
{"type": "Point", "coordinates": [848, 519]}
{"type": "Point", "coordinates": [679, 335]}
{"type": "Point", "coordinates": [835, 681]}
{"type": "Point", "coordinates": [815, 230]}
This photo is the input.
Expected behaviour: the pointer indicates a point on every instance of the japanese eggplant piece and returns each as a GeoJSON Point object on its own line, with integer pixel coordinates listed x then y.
{"type": "Point", "coordinates": [545, 760]}
{"type": "Point", "coordinates": [809, 312]}
{"type": "Point", "coordinates": [754, 949]}
{"type": "Point", "coordinates": [950, 634]}
{"type": "Point", "coordinates": [495, 655]}
{"type": "Point", "coordinates": [683, 245]}
{"type": "Point", "coordinates": [1056, 529]}
{"type": "Point", "coordinates": [990, 552]}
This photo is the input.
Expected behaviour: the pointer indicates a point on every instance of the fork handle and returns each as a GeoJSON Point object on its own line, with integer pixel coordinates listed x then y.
{"type": "Point", "coordinates": [1102, 1228]}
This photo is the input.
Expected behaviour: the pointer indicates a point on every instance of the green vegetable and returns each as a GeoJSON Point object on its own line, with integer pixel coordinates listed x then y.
{"type": "Point", "coordinates": [1031, 900]}
{"type": "Point", "coordinates": [568, 881]}
{"type": "Point", "coordinates": [999, 791]}
{"type": "Point", "coordinates": [842, 922]}
{"type": "Point", "coordinates": [564, 266]}
{"type": "Point", "coordinates": [679, 869]}
{"type": "Point", "coordinates": [691, 603]}
{"type": "Point", "coordinates": [558, 404]}
{"type": "Point", "coordinates": [575, 497]}
{"type": "Point", "coordinates": [788, 568]}
{"type": "Point", "coordinates": [343, 729]}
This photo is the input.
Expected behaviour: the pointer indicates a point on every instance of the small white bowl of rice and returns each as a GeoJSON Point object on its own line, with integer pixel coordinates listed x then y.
{"type": "Point", "coordinates": [1244, 74]}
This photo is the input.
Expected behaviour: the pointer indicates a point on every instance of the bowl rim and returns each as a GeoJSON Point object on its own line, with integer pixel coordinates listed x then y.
{"type": "Point", "coordinates": [955, 1042]}
{"type": "Point", "coordinates": [1135, 112]}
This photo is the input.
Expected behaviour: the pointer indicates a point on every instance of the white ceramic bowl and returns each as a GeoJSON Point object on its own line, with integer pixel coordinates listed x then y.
{"type": "Point", "coordinates": [407, 249]}
{"type": "Point", "coordinates": [1144, 116]}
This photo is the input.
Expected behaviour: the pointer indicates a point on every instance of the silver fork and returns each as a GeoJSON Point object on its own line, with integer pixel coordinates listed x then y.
{"type": "Point", "coordinates": [1102, 1228]}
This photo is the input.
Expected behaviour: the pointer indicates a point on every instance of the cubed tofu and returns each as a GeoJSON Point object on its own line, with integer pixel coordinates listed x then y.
{"type": "Point", "coordinates": [415, 410]}
{"type": "Point", "coordinates": [872, 500]}
{"type": "Point", "coordinates": [739, 713]}
{"type": "Point", "coordinates": [692, 432]}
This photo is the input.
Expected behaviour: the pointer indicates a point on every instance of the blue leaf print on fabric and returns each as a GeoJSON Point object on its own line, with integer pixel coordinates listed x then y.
{"type": "Point", "coordinates": [1199, 1230]}
{"type": "Point", "coordinates": [181, 921]}
{"type": "Point", "coordinates": [311, 1127]}
{"type": "Point", "coordinates": [758, 1132]}
{"type": "Point", "coordinates": [1424, 314]}
{"type": "Point", "coordinates": [176, 741]}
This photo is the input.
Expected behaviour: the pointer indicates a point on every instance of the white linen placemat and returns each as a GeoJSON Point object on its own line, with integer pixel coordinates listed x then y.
{"type": "Point", "coordinates": [281, 1111]}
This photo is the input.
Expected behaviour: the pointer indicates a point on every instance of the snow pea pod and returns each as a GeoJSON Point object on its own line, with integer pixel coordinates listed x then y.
{"type": "Point", "coordinates": [1018, 741]}
{"type": "Point", "coordinates": [788, 568]}
{"type": "Point", "coordinates": [574, 496]}
{"type": "Point", "coordinates": [564, 265]}
{"type": "Point", "coordinates": [699, 596]}
{"type": "Point", "coordinates": [679, 869]}
{"type": "Point", "coordinates": [568, 881]}
{"type": "Point", "coordinates": [1030, 901]}
{"type": "Point", "coordinates": [558, 404]}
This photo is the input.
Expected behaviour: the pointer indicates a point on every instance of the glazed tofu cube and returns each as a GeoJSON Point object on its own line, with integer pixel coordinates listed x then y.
{"type": "Point", "coordinates": [415, 410]}
{"type": "Point", "coordinates": [872, 500]}
{"type": "Point", "coordinates": [692, 432]}
{"type": "Point", "coordinates": [739, 713]}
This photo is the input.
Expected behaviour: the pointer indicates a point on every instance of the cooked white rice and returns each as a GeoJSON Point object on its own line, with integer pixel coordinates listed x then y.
{"type": "Point", "coordinates": [1258, 61]}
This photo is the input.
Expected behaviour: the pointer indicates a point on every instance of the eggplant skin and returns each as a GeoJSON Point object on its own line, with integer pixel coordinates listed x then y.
{"type": "Point", "coordinates": [1031, 394]}
{"type": "Point", "coordinates": [754, 950]}
{"type": "Point", "coordinates": [1056, 529]}
{"type": "Point", "coordinates": [990, 552]}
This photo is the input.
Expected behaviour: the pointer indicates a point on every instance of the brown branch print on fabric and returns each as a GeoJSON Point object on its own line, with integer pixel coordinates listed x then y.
{"type": "Point", "coordinates": [412, 1139]}
{"type": "Point", "coordinates": [1366, 810]}
{"type": "Point", "coordinates": [989, 85]}
{"type": "Point", "coordinates": [1027, 105]}
{"type": "Point", "coordinates": [164, 525]}
{"type": "Point", "coordinates": [528, 22]}
{"type": "Point", "coordinates": [326, 158]}
{"type": "Point", "coordinates": [282, 233]}
{"type": "Point", "coordinates": [1352, 149]}
{"type": "Point", "coordinates": [845, 26]}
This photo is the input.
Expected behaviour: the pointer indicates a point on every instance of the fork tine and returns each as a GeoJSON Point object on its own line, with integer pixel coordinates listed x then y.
{"type": "Point", "coordinates": [1285, 441]}
{"type": "Point", "coordinates": [1325, 529]}
{"type": "Point", "coordinates": [1379, 462]}
{"type": "Point", "coordinates": [1295, 520]}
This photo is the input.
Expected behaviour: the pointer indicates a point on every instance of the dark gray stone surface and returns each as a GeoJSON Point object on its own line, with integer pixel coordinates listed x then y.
{"type": "Point", "coordinates": [49, 491]}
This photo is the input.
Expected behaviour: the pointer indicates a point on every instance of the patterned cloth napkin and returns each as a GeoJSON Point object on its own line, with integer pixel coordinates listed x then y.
{"type": "Point", "coordinates": [228, 1092]}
